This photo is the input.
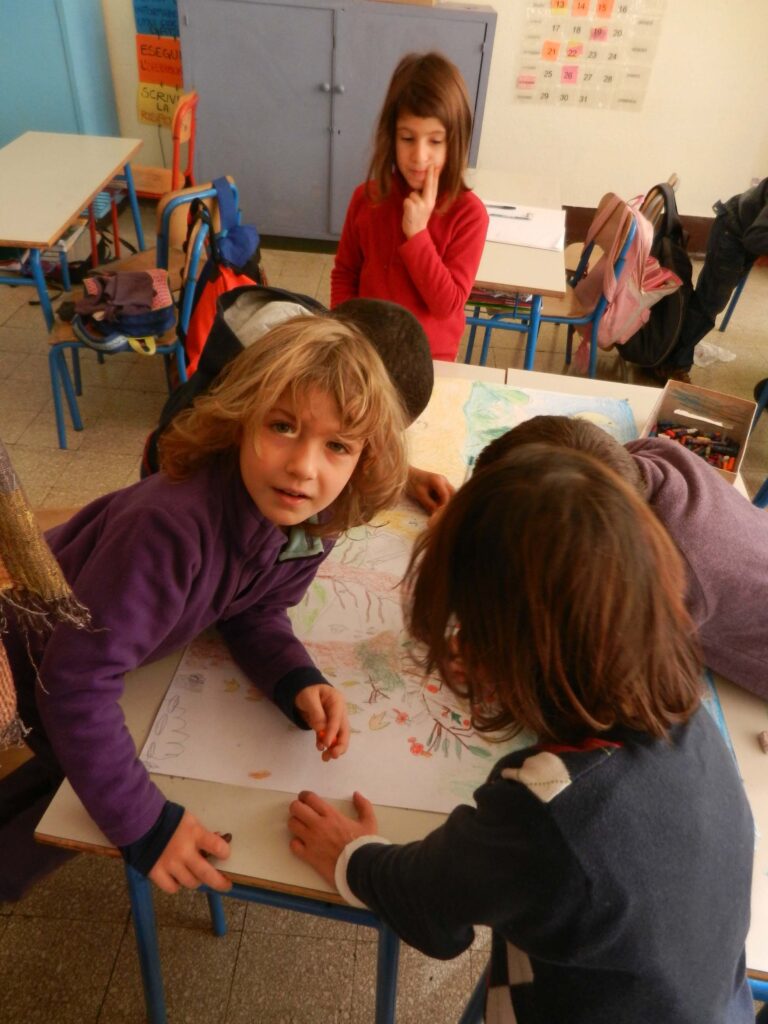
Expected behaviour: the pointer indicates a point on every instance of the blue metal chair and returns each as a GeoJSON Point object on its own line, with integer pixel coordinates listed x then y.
{"type": "Point", "coordinates": [734, 299]}
{"type": "Point", "coordinates": [568, 310]}
{"type": "Point", "coordinates": [171, 219]}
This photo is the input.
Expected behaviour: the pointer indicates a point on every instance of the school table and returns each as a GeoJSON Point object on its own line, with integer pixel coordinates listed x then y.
{"type": "Point", "coordinates": [261, 865]}
{"type": "Point", "coordinates": [47, 179]}
{"type": "Point", "coordinates": [512, 269]}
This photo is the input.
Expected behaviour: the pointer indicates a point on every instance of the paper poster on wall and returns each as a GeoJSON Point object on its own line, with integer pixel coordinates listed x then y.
{"type": "Point", "coordinates": [156, 17]}
{"type": "Point", "coordinates": [156, 104]}
{"type": "Point", "coordinates": [588, 53]}
{"type": "Point", "coordinates": [159, 60]}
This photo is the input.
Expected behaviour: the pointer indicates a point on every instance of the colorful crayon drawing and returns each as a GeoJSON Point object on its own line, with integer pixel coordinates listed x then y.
{"type": "Point", "coordinates": [413, 744]}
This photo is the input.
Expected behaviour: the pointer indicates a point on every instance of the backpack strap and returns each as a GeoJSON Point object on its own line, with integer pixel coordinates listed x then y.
{"type": "Point", "coordinates": [227, 206]}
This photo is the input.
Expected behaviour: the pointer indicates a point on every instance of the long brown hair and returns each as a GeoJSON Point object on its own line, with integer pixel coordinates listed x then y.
{"type": "Point", "coordinates": [303, 354]}
{"type": "Point", "coordinates": [566, 432]}
{"type": "Point", "coordinates": [564, 595]}
{"type": "Point", "coordinates": [425, 85]}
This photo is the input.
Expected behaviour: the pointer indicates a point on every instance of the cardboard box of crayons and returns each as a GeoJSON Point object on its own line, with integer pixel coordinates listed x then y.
{"type": "Point", "coordinates": [710, 423]}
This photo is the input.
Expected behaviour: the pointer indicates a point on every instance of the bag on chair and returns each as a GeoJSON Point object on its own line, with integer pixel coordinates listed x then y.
{"type": "Point", "coordinates": [119, 307]}
{"type": "Point", "coordinates": [642, 283]}
{"type": "Point", "coordinates": [235, 260]}
{"type": "Point", "coordinates": [653, 342]}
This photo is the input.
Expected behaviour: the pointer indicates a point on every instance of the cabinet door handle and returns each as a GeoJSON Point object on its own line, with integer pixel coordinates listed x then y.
{"type": "Point", "coordinates": [339, 89]}
{"type": "Point", "coordinates": [325, 87]}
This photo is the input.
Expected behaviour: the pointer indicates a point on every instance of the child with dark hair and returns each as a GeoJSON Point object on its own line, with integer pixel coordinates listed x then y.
{"type": "Point", "coordinates": [301, 439]}
{"type": "Point", "coordinates": [414, 233]}
{"type": "Point", "coordinates": [613, 858]}
{"type": "Point", "coordinates": [722, 537]}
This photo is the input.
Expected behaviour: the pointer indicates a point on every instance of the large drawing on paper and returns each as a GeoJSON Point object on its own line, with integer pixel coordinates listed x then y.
{"type": "Point", "coordinates": [413, 744]}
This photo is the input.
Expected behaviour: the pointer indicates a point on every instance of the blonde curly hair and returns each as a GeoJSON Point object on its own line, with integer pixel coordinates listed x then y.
{"type": "Point", "coordinates": [304, 354]}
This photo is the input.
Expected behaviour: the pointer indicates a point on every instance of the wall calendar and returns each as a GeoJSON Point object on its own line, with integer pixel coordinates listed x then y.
{"type": "Point", "coordinates": [588, 53]}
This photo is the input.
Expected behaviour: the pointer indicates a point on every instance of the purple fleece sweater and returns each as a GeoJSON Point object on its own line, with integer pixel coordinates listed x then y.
{"type": "Point", "coordinates": [156, 563]}
{"type": "Point", "coordinates": [724, 542]}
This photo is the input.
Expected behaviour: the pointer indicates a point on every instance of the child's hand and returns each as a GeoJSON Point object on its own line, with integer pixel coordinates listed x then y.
{"type": "Point", "coordinates": [431, 490]}
{"type": "Point", "coordinates": [183, 861]}
{"type": "Point", "coordinates": [320, 832]}
{"type": "Point", "coordinates": [418, 207]}
{"type": "Point", "coordinates": [325, 710]}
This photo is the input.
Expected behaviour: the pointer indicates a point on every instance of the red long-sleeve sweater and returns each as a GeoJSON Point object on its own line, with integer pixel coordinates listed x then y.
{"type": "Point", "coordinates": [431, 274]}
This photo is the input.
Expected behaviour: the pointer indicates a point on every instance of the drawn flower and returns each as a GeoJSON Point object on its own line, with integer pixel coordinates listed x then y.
{"type": "Point", "coordinates": [401, 717]}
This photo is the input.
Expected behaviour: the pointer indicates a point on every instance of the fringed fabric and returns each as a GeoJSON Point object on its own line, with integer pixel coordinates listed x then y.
{"type": "Point", "coordinates": [31, 584]}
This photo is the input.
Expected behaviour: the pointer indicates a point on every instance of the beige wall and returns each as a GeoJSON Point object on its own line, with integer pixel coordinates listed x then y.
{"type": "Point", "coordinates": [703, 116]}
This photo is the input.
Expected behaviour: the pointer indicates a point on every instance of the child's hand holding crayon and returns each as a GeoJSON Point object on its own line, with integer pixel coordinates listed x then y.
{"type": "Point", "coordinates": [320, 832]}
{"type": "Point", "coordinates": [325, 711]}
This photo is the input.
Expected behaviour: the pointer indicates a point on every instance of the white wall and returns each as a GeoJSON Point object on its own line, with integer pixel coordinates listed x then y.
{"type": "Point", "coordinates": [704, 114]}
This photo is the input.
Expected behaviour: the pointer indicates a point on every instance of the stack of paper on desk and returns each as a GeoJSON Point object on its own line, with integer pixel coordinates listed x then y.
{"type": "Point", "coordinates": [535, 226]}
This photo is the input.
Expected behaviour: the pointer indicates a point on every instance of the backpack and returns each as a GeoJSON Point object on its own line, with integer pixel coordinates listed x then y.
{"type": "Point", "coordinates": [123, 309]}
{"type": "Point", "coordinates": [242, 315]}
{"type": "Point", "coordinates": [642, 283]}
{"type": "Point", "coordinates": [653, 342]}
{"type": "Point", "coordinates": [234, 260]}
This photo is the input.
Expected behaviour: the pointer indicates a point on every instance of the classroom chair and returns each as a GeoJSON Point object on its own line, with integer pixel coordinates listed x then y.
{"type": "Point", "coordinates": [169, 255]}
{"type": "Point", "coordinates": [155, 182]}
{"type": "Point", "coordinates": [734, 299]}
{"type": "Point", "coordinates": [567, 310]}
{"type": "Point", "coordinates": [652, 208]}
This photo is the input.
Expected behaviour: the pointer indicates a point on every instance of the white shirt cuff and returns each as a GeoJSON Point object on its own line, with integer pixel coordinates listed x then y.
{"type": "Point", "coordinates": [340, 873]}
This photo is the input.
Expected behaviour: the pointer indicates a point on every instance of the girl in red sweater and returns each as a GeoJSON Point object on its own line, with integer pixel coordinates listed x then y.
{"type": "Point", "coordinates": [414, 233]}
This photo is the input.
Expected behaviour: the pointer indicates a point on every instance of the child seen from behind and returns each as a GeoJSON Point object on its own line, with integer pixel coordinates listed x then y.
{"type": "Point", "coordinates": [414, 233]}
{"type": "Point", "coordinates": [613, 858]}
{"type": "Point", "coordinates": [301, 439]}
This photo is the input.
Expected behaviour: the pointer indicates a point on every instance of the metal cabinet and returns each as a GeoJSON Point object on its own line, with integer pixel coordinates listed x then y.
{"type": "Point", "coordinates": [290, 89]}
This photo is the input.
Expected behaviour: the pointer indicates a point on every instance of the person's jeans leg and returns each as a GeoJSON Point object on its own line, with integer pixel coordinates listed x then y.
{"type": "Point", "coordinates": [725, 264]}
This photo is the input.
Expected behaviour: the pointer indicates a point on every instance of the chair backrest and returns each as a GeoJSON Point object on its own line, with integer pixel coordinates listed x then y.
{"type": "Point", "coordinates": [653, 207]}
{"type": "Point", "coordinates": [173, 212]}
{"type": "Point", "coordinates": [183, 129]}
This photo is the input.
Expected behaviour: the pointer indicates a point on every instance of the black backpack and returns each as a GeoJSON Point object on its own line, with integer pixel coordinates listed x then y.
{"type": "Point", "coordinates": [652, 344]}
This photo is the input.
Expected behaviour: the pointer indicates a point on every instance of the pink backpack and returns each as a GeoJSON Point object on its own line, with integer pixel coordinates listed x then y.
{"type": "Point", "coordinates": [642, 282]}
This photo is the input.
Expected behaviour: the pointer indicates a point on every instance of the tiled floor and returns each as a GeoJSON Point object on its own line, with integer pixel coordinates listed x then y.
{"type": "Point", "coordinates": [66, 951]}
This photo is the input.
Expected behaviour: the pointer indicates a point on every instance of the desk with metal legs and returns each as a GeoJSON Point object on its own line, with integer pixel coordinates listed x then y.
{"type": "Point", "coordinates": [261, 865]}
{"type": "Point", "coordinates": [47, 179]}
{"type": "Point", "coordinates": [516, 269]}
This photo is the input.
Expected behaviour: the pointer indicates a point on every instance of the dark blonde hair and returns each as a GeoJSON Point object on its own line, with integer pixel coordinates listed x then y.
{"type": "Point", "coordinates": [299, 356]}
{"type": "Point", "coordinates": [565, 596]}
{"type": "Point", "coordinates": [425, 85]}
{"type": "Point", "coordinates": [566, 432]}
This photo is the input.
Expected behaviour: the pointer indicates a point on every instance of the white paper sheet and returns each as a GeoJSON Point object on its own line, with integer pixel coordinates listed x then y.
{"type": "Point", "coordinates": [534, 226]}
{"type": "Point", "coordinates": [412, 744]}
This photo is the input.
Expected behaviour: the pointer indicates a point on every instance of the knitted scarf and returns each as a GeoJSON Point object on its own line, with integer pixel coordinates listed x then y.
{"type": "Point", "coordinates": [31, 583]}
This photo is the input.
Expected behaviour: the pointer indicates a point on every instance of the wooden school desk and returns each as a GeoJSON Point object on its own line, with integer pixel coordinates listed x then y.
{"type": "Point", "coordinates": [517, 268]}
{"type": "Point", "coordinates": [260, 857]}
{"type": "Point", "coordinates": [47, 179]}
